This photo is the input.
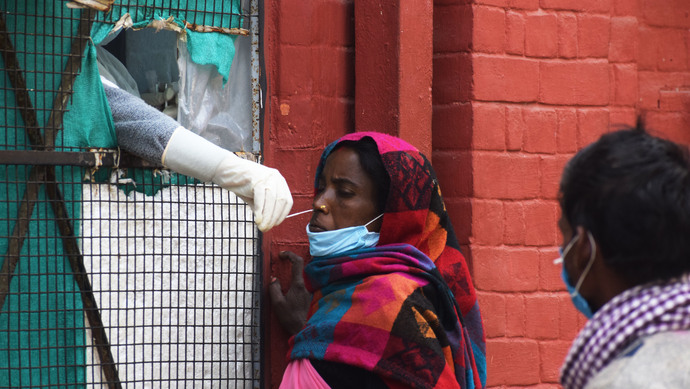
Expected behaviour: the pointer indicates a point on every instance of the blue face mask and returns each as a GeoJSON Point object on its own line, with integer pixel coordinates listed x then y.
{"type": "Point", "coordinates": [580, 303]}
{"type": "Point", "coordinates": [342, 240]}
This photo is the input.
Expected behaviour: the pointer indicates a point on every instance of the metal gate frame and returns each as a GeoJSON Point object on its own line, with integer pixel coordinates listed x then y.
{"type": "Point", "coordinates": [44, 158]}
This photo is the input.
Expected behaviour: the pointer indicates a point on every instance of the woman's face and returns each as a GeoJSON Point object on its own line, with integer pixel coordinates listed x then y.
{"type": "Point", "coordinates": [346, 195]}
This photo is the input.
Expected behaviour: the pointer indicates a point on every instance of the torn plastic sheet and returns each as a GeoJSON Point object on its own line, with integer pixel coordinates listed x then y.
{"type": "Point", "coordinates": [217, 112]}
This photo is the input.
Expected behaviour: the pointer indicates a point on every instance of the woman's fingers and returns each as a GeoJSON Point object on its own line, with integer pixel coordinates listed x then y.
{"type": "Point", "coordinates": [291, 308]}
{"type": "Point", "coordinates": [297, 267]}
{"type": "Point", "coordinates": [275, 291]}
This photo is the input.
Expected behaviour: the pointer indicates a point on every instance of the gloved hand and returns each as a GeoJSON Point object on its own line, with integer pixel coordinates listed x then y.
{"type": "Point", "coordinates": [264, 189]}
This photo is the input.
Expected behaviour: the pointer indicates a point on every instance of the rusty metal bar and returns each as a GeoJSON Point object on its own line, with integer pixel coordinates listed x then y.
{"type": "Point", "coordinates": [256, 78]}
{"type": "Point", "coordinates": [36, 176]}
{"type": "Point", "coordinates": [98, 5]}
{"type": "Point", "coordinates": [67, 80]}
{"type": "Point", "coordinates": [65, 224]}
{"type": "Point", "coordinates": [76, 261]}
{"type": "Point", "coordinates": [21, 228]}
{"type": "Point", "coordinates": [100, 338]}
{"type": "Point", "coordinates": [14, 73]}
{"type": "Point", "coordinates": [98, 158]}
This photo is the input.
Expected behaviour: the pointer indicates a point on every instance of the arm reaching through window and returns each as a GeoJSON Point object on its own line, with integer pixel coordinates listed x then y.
{"type": "Point", "coordinates": [148, 133]}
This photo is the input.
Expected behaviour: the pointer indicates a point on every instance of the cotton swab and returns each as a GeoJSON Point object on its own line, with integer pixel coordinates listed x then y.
{"type": "Point", "coordinates": [298, 213]}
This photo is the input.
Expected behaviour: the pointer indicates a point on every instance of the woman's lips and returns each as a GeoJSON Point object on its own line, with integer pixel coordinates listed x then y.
{"type": "Point", "coordinates": [315, 227]}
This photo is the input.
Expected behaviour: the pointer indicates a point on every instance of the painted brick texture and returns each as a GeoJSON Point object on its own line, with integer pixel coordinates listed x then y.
{"type": "Point", "coordinates": [548, 77]}
{"type": "Point", "coordinates": [518, 87]}
{"type": "Point", "coordinates": [309, 55]}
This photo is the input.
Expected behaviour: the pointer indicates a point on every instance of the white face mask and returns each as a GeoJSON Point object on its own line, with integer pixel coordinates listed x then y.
{"type": "Point", "coordinates": [340, 241]}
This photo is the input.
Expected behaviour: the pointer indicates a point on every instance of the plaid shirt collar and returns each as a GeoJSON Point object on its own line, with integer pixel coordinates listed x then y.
{"type": "Point", "coordinates": [637, 312]}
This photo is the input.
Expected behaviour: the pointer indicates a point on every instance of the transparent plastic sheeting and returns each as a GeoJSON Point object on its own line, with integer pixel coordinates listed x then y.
{"type": "Point", "coordinates": [219, 113]}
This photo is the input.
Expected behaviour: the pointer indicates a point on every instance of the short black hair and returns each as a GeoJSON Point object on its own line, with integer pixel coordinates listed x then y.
{"type": "Point", "coordinates": [370, 159]}
{"type": "Point", "coordinates": [631, 190]}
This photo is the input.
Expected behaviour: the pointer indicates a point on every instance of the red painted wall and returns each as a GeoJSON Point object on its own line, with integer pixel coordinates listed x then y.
{"type": "Point", "coordinates": [308, 46]}
{"type": "Point", "coordinates": [518, 87]}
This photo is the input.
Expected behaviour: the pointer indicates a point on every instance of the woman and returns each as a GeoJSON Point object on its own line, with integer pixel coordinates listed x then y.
{"type": "Point", "coordinates": [625, 203]}
{"type": "Point", "coordinates": [393, 303]}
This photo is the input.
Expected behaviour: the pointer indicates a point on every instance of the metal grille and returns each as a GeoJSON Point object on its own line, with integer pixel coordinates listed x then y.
{"type": "Point", "coordinates": [198, 14]}
{"type": "Point", "coordinates": [115, 273]}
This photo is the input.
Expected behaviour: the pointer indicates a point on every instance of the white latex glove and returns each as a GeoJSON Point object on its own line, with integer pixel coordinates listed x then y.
{"type": "Point", "coordinates": [264, 189]}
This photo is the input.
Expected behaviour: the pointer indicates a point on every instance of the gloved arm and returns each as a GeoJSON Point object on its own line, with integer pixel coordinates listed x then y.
{"type": "Point", "coordinates": [141, 129]}
{"type": "Point", "coordinates": [146, 132]}
{"type": "Point", "coordinates": [263, 188]}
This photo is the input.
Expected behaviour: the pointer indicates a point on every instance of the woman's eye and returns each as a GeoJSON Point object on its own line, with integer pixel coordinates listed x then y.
{"type": "Point", "coordinates": [345, 193]}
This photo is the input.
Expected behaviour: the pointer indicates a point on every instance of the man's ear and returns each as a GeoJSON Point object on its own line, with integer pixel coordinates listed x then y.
{"type": "Point", "coordinates": [582, 248]}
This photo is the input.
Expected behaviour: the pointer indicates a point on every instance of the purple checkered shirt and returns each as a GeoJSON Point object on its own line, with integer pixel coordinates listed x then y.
{"type": "Point", "coordinates": [637, 312]}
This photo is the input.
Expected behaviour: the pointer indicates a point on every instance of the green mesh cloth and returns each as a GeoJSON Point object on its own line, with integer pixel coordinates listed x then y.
{"type": "Point", "coordinates": [42, 325]}
{"type": "Point", "coordinates": [205, 48]}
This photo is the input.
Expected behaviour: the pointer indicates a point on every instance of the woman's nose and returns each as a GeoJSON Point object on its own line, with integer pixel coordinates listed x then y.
{"type": "Point", "coordinates": [320, 203]}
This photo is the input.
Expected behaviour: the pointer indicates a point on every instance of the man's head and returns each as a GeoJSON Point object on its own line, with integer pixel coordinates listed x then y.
{"type": "Point", "coordinates": [631, 190]}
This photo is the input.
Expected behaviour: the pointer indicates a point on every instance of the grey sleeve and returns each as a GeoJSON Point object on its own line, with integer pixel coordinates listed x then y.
{"type": "Point", "coordinates": [141, 129]}
{"type": "Point", "coordinates": [657, 361]}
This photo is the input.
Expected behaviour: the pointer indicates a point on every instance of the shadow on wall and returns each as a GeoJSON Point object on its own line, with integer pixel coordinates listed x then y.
{"type": "Point", "coordinates": [452, 118]}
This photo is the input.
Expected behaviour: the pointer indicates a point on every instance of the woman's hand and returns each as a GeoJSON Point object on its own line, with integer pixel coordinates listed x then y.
{"type": "Point", "coordinates": [291, 308]}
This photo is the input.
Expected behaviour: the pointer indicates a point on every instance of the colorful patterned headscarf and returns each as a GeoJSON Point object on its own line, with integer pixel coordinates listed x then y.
{"type": "Point", "coordinates": [406, 309]}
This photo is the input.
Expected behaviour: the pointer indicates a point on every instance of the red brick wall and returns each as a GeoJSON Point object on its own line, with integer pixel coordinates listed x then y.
{"type": "Point", "coordinates": [519, 86]}
{"type": "Point", "coordinates": [663, 65]}
{"type": "Point", "coordinates": [309, 55]}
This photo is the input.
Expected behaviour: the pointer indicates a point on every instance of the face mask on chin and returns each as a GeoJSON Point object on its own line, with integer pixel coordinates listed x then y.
{"type": "Point", "coordinates": [342, 240]}
{"type": "Point", "coordinates": [578, 301]}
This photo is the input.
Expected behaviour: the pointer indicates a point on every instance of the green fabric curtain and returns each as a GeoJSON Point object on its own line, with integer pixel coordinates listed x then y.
{"type": "Point", "coordinates": [205, 48]}
{"type": "Point", "coordinates": [41, 322]}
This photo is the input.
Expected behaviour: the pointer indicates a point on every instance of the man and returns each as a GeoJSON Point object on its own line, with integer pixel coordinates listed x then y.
{"type": "Point", "coordinates": [625, 204]}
